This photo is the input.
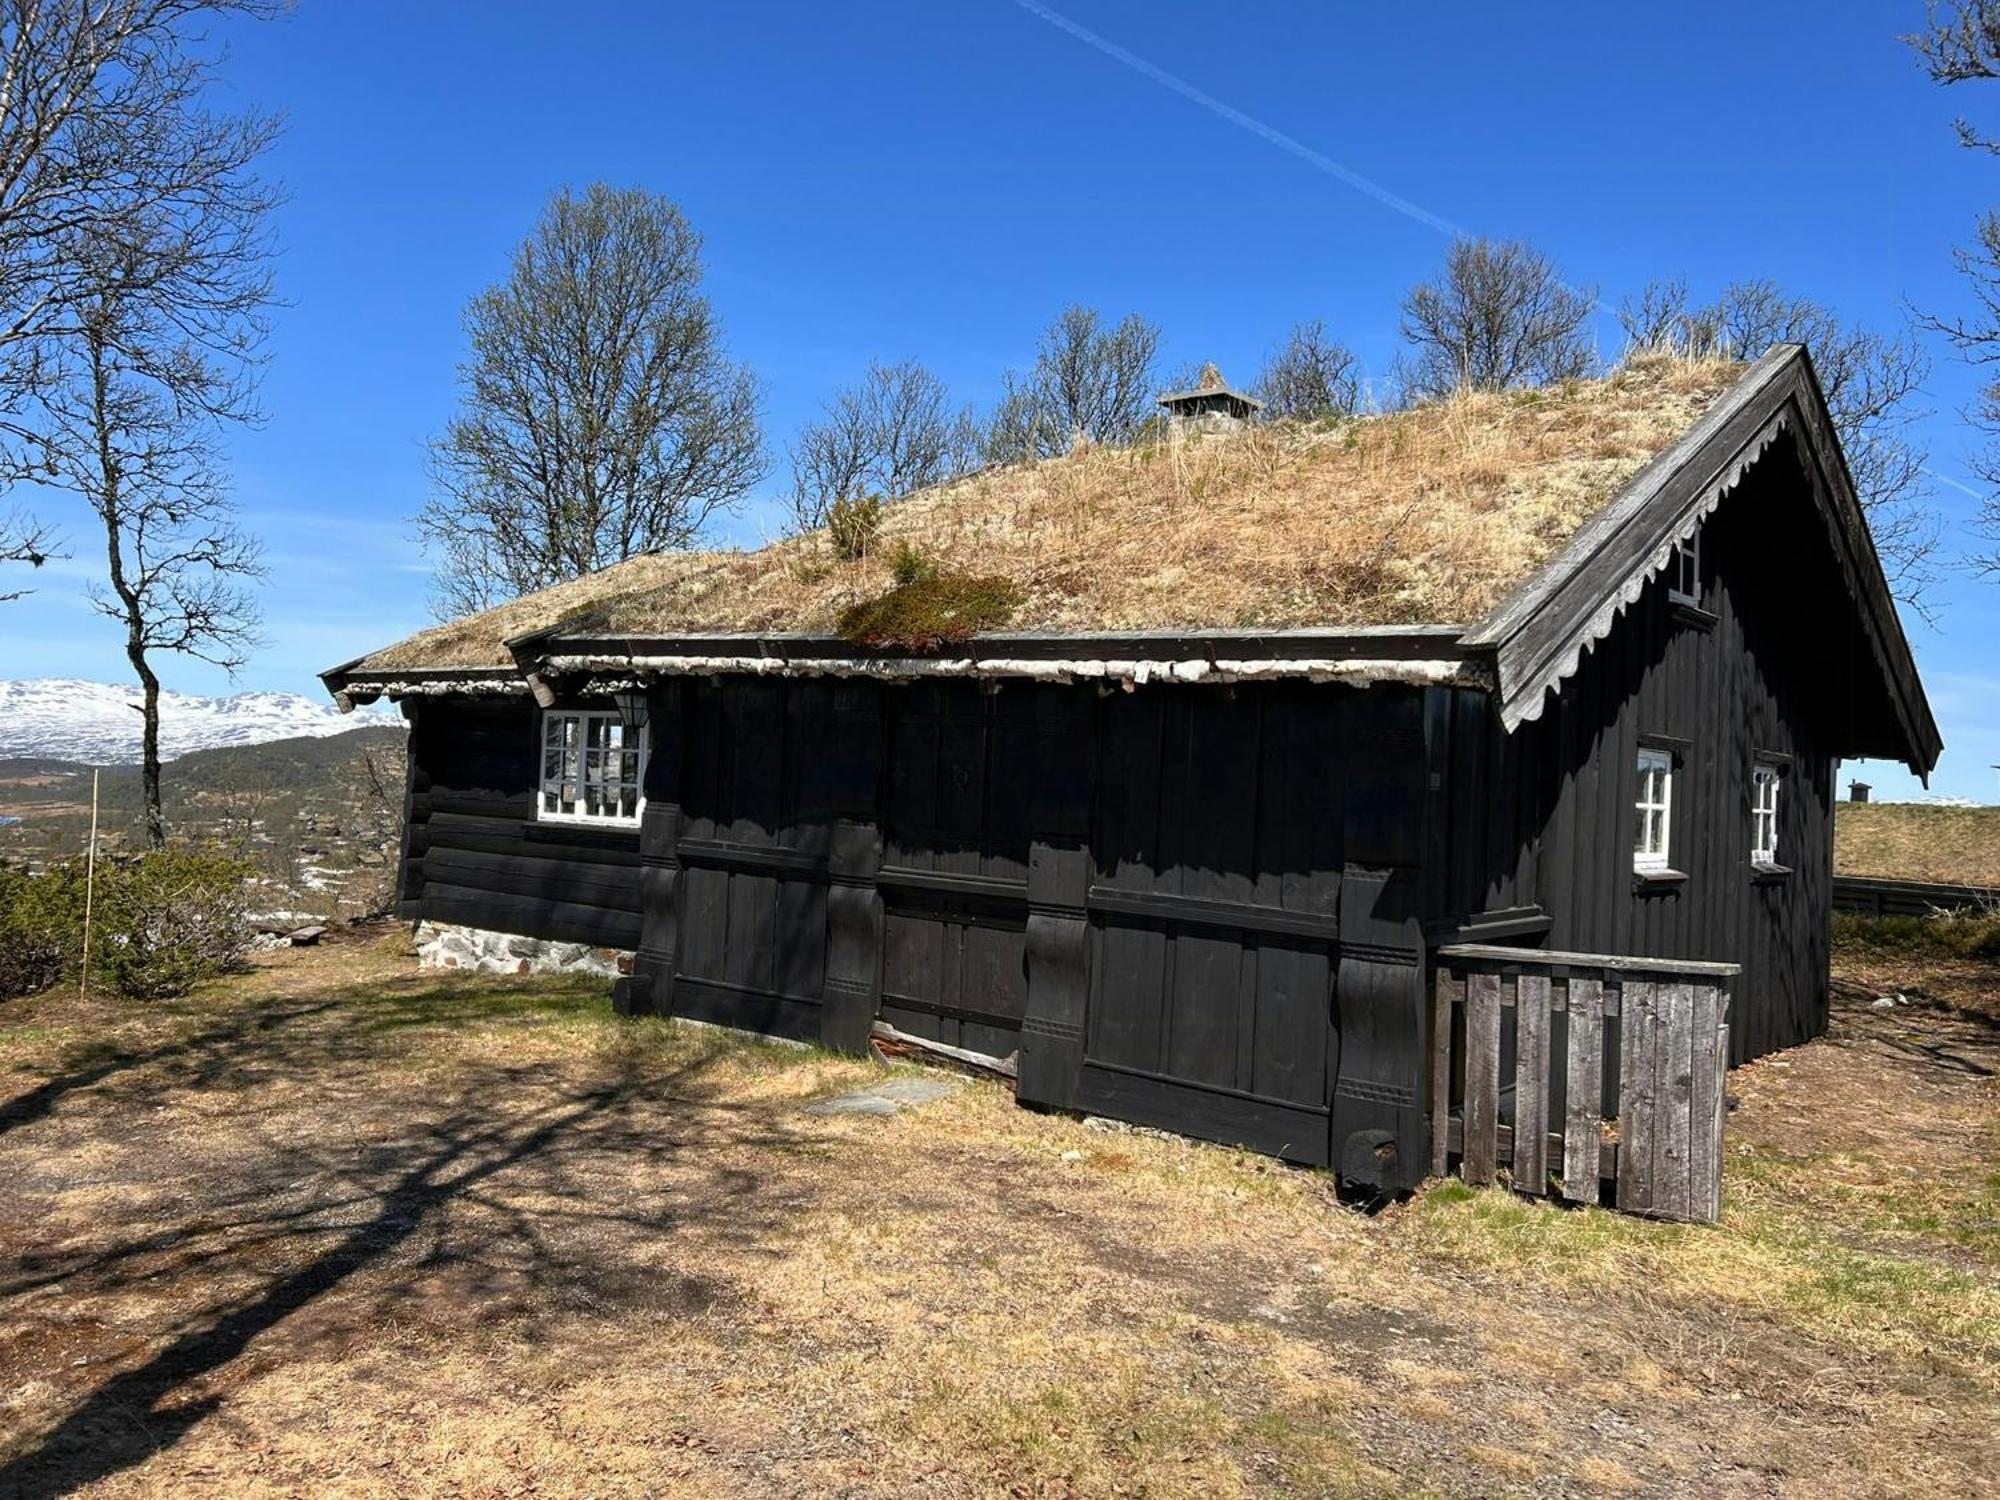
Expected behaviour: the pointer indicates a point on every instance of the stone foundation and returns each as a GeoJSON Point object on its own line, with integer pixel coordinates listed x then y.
{"type": "Point", "coordinates": [442, 945]}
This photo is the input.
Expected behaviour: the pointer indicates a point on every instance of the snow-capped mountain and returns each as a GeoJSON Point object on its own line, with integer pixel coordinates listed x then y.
{"type": "Point", "coordinates": [64, 718]}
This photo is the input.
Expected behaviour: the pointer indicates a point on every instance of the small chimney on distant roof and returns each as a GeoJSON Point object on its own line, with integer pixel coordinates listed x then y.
{"type": "Point", "coordinates": [1211, 406]}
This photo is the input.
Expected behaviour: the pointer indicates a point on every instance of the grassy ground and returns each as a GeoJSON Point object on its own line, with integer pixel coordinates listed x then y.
{"type": "Point", "coordinates": [339, 1228]}
{"type": "Point", "coordinates": [1917, 841]}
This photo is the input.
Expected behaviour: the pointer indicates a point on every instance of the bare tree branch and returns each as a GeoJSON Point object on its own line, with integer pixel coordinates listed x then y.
{"type": "Point", "coordinates": [106, 141]}
{"type": "Point", "coordinates": [24, 540]}
{"type": "Point", "coordinates": [599, 416]}
{"type": "Point", "coordinates": [1497, 315]}
{"type": "Point", "coordinates": [1312, 375]}
{"type": "Point", "coordinates": [1088, 382]}
{"type": "Point", "coordinates": [894, 432]}
{"type": "Point", "coordinates": [1960, 43]}
{"type": "Point", "coordinates": [1870, 379]}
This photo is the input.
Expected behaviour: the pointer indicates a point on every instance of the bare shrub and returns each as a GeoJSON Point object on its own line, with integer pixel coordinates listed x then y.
{"type": "Point", "coordinates": [1870, 379]}
{"type": "Point", "coordinates": [894, 432]}
{"type": "Point", "coordinates": [1497, 315]}
{"type": "Point", "coordinates": [1089, 381]}
{"type": "Point", "coordinates": [1312, 375]}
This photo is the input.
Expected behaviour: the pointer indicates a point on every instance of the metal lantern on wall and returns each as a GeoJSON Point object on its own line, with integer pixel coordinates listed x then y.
{"type": "Point", "coordinates": [631, 704]}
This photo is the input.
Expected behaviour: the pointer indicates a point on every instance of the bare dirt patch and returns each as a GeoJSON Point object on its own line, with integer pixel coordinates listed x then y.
{"type": "Point", "coordinates": [338, 1227]}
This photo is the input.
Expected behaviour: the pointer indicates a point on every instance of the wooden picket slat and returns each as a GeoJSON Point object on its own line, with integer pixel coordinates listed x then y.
{"type": "Point", "coordinates": [1482, 1077]}
{"type": "Point", "coordinates": [1583, 1129]}
{"type": "Point", "coordinates": [1721, 1107]}
{"type": "Point", "coordinates": [1449, 991]}
{"type": "Point", "coordinates": [1704, 1164]}
{"type": "Point", "coordinates": [1638, 1088]}
{"type": "Point", "coordinates": [1673, 1058]}
{"type": "Point", "coordinates": [1674, 1100]}
{"type": "Point", "coordinates": [1531, 1083]}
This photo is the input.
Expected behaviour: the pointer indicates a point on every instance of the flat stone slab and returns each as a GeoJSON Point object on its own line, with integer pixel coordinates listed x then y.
{"type": "Point", "coordinates": [910, 1092]}
{"type": "Point", "coordinates": [853, 1104]}
{"type": "Point", "coordinates": [885, 1098]}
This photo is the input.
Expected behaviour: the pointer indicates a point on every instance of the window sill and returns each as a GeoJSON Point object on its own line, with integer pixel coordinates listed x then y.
{"type": "Point", "coordinates": [601, 825]}
{"type": "Point", "coordinates": [1763, 874]}
{"type": "Point", "coordinates": [1687, 612]}
{"type": "Point", "coordinates": [1657, 882]}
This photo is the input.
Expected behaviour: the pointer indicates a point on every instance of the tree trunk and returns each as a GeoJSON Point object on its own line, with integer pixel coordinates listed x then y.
{"type": "Point", "coordinates": [149, 749]}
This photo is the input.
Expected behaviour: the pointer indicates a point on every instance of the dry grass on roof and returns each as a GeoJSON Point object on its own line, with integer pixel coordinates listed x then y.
{"type": "Point", "coordinates": [1425, 516]}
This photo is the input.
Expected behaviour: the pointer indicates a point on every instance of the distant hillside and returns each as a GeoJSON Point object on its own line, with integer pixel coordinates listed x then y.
{"type": "Point", "coordinates": [321, 816]}
{"type": "Point", "coordinates": [95, 723]}
{"type": "Point", "coordinates": [1918, 841]}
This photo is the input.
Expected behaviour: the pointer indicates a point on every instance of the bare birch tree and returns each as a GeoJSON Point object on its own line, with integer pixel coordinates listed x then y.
{"type": "Point", "coordinates": [1089, 381]}
{"type": "Point", "coordinates": [131, 429]}
{"type": "Point", "coordinates": [104, 132]}
{"type": "Point", "coordinates": [1871, 381]}
{"type": "Point", "coordinates": [599, 414]}
{"type": "Point", "coordinates": [1960, 43]}
{"type": "Point", "coordinates": [1496, 315]}
{"type": "Point", "coordinates": [1312, 375]}
{"type": "Point", "coordinates": [893, 432]}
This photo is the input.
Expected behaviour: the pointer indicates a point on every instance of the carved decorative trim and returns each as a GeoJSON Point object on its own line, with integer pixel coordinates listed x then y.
{"type": "Point", "coordinates": [1526, 702]}
{"type": "Point", "coordinates": [1381, 953]}
{"type": "Point", "coordinates": [1375, 1091]}
{"type": "Point", "coordinates": [1050, 1026]}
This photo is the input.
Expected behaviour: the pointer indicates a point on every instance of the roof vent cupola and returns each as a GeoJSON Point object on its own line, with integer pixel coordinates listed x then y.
{"type": "Point", "coordinates": [1213, 405]}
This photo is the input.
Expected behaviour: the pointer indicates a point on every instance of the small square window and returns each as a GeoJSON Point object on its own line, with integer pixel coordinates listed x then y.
{"type": "Point", "coordinates": [1767, 783]}
{"type": "Point", "coordinates": [593, 768]}
{"type": "Point", "coordinates": [1684, 571]}
{"type": "Point", "coordinates": [1653, 806]}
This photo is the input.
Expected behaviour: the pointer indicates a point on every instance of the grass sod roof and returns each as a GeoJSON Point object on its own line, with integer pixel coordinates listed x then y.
{"type": "Point", "coordinates": [1421, 517]}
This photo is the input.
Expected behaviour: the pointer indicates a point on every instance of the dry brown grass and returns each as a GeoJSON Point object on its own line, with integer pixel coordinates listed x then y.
{"type": "Point", "coordinates": [1431, 515]}
{"type": "Point", "coordinates": [1917, 841]}
{"type": "Point", "coordinates": [341, 1228]}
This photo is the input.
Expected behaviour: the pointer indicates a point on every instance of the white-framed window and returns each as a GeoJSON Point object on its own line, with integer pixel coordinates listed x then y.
{"type": "Point", "coordinates": [1653, 802]}
{"type": "Point", "coordinates": [1767, 784]}
{"type": "Point", "coordinates": [1684, 571]}
{"type": "Point", "coordinates": [593, 768]}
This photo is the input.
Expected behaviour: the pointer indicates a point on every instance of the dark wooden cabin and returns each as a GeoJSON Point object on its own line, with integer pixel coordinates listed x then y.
{"type": "Point", "coordinates": [1195, 877]}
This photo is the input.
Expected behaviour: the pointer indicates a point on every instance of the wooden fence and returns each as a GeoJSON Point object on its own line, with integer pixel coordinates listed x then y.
{"type": "Point", "coordinates": [1873, 896]}
{"type": "Point", "coordinates": [1568, 1069]}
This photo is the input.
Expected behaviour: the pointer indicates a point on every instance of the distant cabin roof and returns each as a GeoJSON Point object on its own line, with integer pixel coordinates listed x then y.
{"type": "Point", "coordinates": [1431, 515]}
{"type": "Point", "coordinates": [1209, 384]}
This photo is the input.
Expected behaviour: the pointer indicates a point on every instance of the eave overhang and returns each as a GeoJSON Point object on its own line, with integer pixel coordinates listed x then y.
{"type": "Point", "coordinates": [1538, 634]}
{"type": "Point", "coordinates": [561, 660]}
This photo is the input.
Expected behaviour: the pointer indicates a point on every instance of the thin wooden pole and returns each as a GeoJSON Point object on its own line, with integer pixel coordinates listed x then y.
{"type": "Point", "coordinates": [89, 883]}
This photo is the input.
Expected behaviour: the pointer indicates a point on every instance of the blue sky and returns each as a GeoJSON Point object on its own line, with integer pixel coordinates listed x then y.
{"type": "Point", "coordinates": [935, 180]}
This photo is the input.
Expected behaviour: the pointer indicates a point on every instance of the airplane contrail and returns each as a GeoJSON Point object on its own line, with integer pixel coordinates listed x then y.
{"type": "Point", "coordinates": [1317, 159]}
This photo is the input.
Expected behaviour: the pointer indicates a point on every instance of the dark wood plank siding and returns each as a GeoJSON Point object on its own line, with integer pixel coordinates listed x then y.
{"type": "Point", "coordinates": [1760, 671]}
{"type": "Point", "coordinates": [474, 853]}
{"type": "Point", "coordinates": [1207, 899]}
{"type": "Point", "coordinates": [1214, 913]}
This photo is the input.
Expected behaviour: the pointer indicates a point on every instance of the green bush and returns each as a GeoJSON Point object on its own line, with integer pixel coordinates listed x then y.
{"type": "Point", "coordinates": [910, 564]}
{"type": "Point", "coordinates": [852, 524]}
{"type": "Point", "coordinates": [162, 923]}
{"type": "Point", "coordinates": [933, 608]}
{"type": "Point", "coordinates": [41, 929]}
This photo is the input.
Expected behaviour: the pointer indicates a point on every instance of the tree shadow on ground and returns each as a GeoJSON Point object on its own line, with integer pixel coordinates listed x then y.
{"type": "Point", "coordinates": [510, 1181]}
